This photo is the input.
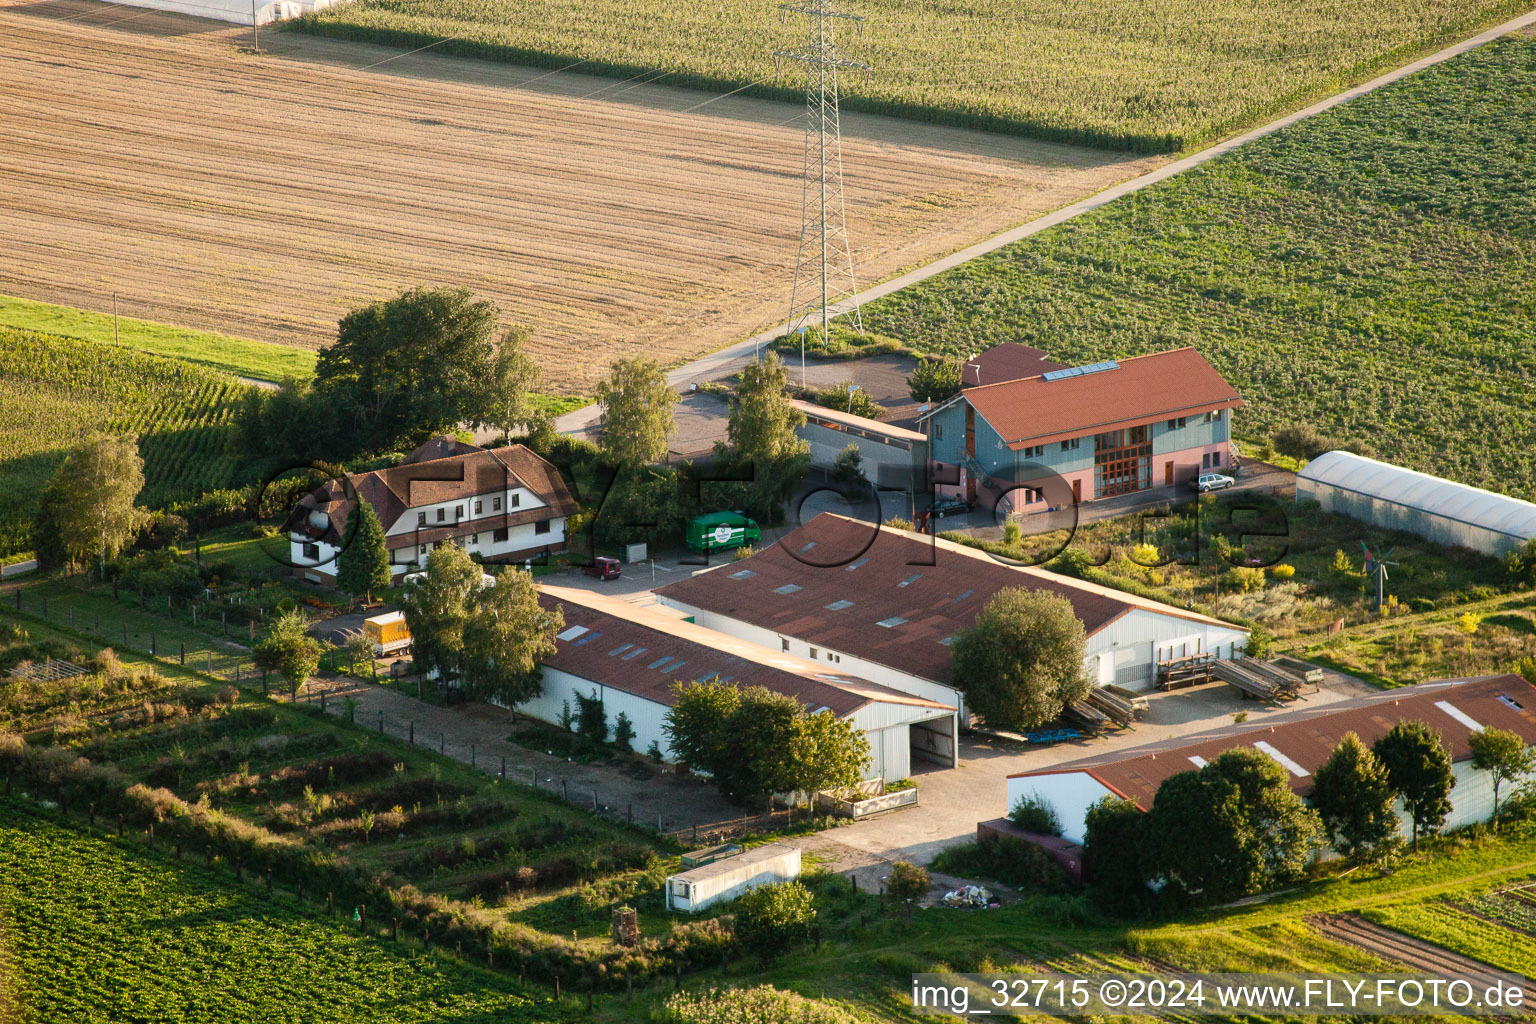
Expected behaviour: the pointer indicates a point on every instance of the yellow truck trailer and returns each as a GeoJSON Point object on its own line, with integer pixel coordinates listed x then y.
{"type": "Point", "coordinates": [388, 633]}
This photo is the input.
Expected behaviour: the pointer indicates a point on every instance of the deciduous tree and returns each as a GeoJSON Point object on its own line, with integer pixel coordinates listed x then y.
{"type": "Point", "coordinates": [637, 405]}
{"type": "Point", "coordinates": [363, 564]}
{"type": "Point", "coordinates": [289, 650]}
{"type": "Point", "coordinates": [410, 366]}
{"type": "Point", "coordinates": [772, 918]}
{"type": "Point", "coordinates": [1354, 797]}
{"type": "Point", "coordinates": [1115, 850]}
{"type": "Point", "coordinates": [437, 609]}
{"type": "Point", "coordinates": [87, 510]}
{"type": "Point", "coordinates": [935, 380]}
{"type": "Point", "coordinates": [508, 402]}
{"type": "Point", "coordinates": [1504, 756]}
{"type": "Point", "coordinates": [761, 429]}
{"type": "Point", "coordinates": [507, 637]}
{"type": "Point", "coordinates": [1022, 660]}
{"type": "Point", "coordinates": [1419, 768]}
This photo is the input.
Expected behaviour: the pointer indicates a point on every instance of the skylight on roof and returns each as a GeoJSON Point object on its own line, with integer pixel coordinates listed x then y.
{"type": "Point", "coordinates": [620, 649]}
{"type": "Point", "coordinates": [1289, 765]}
{"type": "Point", "coordinates": [910, 580]}
{"type": "Point", "coordinates": [964, 595]}
{"type": "Point", "coordinates": [788, 588]}
{"type": "Point", "coordinates": [857, 562]}
{"type": "Point", "coordinates": [1198, 761]}
{"type": "Point", "coordinates": [672, 664]}
{"type": "Point", "coordinates": [634, 653]}
{"type": "Point", "coordinates": [1511, 702]}
{"type": "Point", "coordinates": [892, 622]}
{"type": "Point", "coordinates": [949, 641]}
{"type": "Point", "coordinates": [743, 574]}
{"type": "Point", "coordinates": [837, 606]}
{"type": "Point", "coordinates": [570, 633]}
{"type": "Point", "coordinates": [808, 545]}
{"type": "Point", "coordinates": [587, 639]}
{"type": "Point", "coordinates": [1458, 714]}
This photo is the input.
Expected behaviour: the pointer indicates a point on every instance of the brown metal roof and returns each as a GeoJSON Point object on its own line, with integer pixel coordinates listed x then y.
{"type": "Point", "coordinates": [1005, 362]}
{"type": "Point", "coordinates": [426, 481]}
{"type": "Point", "coordinates": [933, 587]}
{"type": "Point", "coordinates": [1142, 389]}
{"type": "Point", "coordinates": [645, 652]}
{"type": "Point", "coordinates": [1306, 737]}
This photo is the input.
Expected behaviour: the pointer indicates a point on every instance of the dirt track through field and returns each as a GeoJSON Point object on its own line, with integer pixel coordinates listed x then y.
{"type": "Point", "coordinates": [1405, 949]}
{"type": "Point", "coordinates": [145, 154]}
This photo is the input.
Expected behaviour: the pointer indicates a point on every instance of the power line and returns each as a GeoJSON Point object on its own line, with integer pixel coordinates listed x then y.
{"type": "Point", "coordinates": [824, 263]}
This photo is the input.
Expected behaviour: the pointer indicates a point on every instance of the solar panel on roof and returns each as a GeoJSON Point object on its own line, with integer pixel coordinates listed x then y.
{"type": "Point", "coordinates": [1079, 371]}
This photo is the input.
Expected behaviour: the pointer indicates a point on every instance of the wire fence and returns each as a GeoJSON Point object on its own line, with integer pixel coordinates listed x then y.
{"type": "Point", "coordinates": [125, 623]}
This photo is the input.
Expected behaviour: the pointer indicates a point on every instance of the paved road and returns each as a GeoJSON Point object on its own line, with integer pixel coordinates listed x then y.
{"type": "Point", "coordinates": [733, 357]}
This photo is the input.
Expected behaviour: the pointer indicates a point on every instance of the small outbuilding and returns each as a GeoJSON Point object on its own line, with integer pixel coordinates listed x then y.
{"type": "Point", "coordinates": [1395, 498]}
{"type": "Point", "coordinates": [894, 456]}
{"type": "Point", "coordinates": [724, 879]}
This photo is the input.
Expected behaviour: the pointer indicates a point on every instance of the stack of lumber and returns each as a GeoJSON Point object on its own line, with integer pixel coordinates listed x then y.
{"type": "Point", "coordinates": [1181, 672]}
{"type": "Point", "coordinates": [1259, 679]}
{"type": "Point", "coordinates": [1087, 717]}
{"type": "Point", "coordinates": [1119, 710]}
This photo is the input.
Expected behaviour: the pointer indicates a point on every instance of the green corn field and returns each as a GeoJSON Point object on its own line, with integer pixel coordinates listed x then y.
{"type": "Point", "coordinates": [1148, 75]}
{"type": "Point", "coordinates": [55, 391]}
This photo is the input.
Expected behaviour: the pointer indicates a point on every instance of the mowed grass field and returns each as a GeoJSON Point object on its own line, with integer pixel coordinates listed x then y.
{"type": "Point", "coordinates": [1371, 271]}
{"type": "Point", "coordinates": [99, 929]}
{"type": "Point", "coordinates": [1150, 75]}
{"type": "Point", "coordinates": [263, 197]}
{"type": "Point", "coordinates": [54, 391]}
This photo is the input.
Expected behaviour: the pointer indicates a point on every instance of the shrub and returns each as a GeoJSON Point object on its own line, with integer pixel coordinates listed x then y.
{"type": "Point", "coordinates": [1033, 814]}
{"type": "Point", "coordinates": [1244, 579]}
{"type": "Point", "coordinates": [1282, 571]}
{"type": "Point", "coordinates": [623, 732]}
{"type": "Point", "coordinates": [1469, 622]}
{"type": "Point", "coordinates": [908, 881]}
{"type": "Point", "coordinates": [591, 719]}
{"type": "Point", "coordinates": [899, 523]}
{"type": "Point", "coordinates": [1260, 642]}
{"type": "Point", "coordinates": [1008, 860]}
{"type": "Point", "coordinates": [762, 1004]}
{"type": "Point", "coordinates": [1301, 441]}
{"type": "Point", "coordinates": [772, 918]}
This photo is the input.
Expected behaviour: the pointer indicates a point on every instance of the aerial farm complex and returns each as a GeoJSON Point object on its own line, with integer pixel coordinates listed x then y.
{"type": "Point", "coordinates": [836, 512]}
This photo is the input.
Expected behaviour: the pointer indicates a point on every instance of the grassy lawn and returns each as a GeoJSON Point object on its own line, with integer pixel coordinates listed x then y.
{"type": "Point", "coordinates": [1153, 76]}
{"type": "Point", "coordinates": [257, 359]}
{"type": "Point", "coordinates": [1368, 271]}
{"type": "Point", "coordinates": [100, 929]}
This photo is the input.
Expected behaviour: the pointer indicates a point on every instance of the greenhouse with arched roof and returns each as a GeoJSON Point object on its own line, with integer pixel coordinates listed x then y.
{"type": "Point", "coordinates": [1395, 498]}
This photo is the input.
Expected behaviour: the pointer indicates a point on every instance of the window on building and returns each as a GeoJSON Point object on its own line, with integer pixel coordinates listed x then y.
{"type": "Point", "coordinates": [312, 552]}
{"type": "Point", "coordinates": [421, 519]}
{"type": "Point", "coordinates": [495, 504]}
{"type": "Point", "coordinates": [423, 549]}
{"type": "Point", "coordinates": [458, 512]}
{"type": "Point", "coordinates": [1213, 417]}
{"type": "Point", "coordinates": [474, 538]}
{"type": "Point", "coordinates": [499, 536]}
{"type": "Point", "coordinates": [783, 643]}
{"type": "Point", "coordinates": [542, 526]}
{"type": "Point", "coordinates": [442, 514]}
{"type": "Point", "coordinates": [813, 654]}
{"type": "Point", "coordinates": [938, 431]}
{"type": "Point", "coordinates": [517, 500]}
{"type": "Point", "coordinates": [1176, 424]}
{"type": "Point", "coordinates": [1071, 444]}
{"type": "Point", "coordinates": [477, 506]}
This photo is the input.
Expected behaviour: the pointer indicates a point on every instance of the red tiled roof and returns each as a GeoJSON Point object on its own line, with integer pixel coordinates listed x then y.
{"type": "Point", "coordinates": [478, 471]}
{"type": "Point", "coordinates": [935, 588]}
{"type": "Point", "coordinates": [1308, 736]}
{"type": "Point", "coordinates": [645, 652]}
{"type": "Point", "coordinates": [1143, 389]}
{"type": "Point", "coordinates": [1005, 362]}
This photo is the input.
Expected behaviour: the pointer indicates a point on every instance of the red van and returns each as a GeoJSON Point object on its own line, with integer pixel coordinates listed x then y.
{"type": "Point", "coordinates": [603, 567]}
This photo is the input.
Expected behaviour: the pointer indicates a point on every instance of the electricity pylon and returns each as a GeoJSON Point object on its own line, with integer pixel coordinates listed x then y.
{"type": "Point", "coordinates": [824, 264]}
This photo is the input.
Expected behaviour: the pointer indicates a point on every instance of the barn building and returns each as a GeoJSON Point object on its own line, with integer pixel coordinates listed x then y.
{"type": "Point", "coordinates": [631, 657]}
{"type": "Point", "coordinates": [1395, 498]}
{"type": "Point", "coordinates": [238, 12]}
{"type": "Point", "coordinates": [895, 457]}
{"type": "Point", "coordinates": [886, 604]}
{"type": "Point", "coordinates": [1060, 435]}
{"type": "Point", "coordinates": [1300, 741]}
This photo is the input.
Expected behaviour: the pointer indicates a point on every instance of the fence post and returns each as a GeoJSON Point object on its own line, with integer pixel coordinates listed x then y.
{"type": "Point", "coordinates": [442, 743]}
{"type": "Point", "coordinates": [381, 723]}
{"type": "Point", "coordinates": [413, 733]}
{"type": "Point", "coordinates": [152, 652]}
{"type": "Point", "coordinates": [594, 798]}
{"type": "Point", "coordinates": [183, 653]}
{"type": "Point", "coordinates": [210, 661]}
{"type": "Point", "coordinates": [563, 794]}
{"type": "Point", "coordinates": [503, 766]}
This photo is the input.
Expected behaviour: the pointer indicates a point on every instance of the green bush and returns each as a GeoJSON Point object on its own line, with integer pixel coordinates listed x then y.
{"type": "Point", "coordinates": [908, 881]}
{"type": "Point", "coordinates": [1033, 814]}
{"type": "Point", "coordinates": [1007, 860]}
{"type": "Point", "coordinates": [763, 1004]}
{"type": "Point", "coordinates": [773, 918]}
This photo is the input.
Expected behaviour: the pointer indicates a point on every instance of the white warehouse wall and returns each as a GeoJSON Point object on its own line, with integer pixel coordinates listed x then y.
{"type": "Point", "coordinates": [1070, 794]}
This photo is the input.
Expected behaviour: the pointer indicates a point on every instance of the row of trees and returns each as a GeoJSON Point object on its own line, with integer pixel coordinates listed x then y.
{"type": "Point", "coordinates": [1235, 827]}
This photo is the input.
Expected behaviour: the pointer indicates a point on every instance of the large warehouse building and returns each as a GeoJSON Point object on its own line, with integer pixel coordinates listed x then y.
{"type": "Point", "coordinates": [1300, 741]}
{"type": "Point", "coordinates": [631, 657]}
{"type": "Point", "coordinates": [1395, 498]}
{"type": "Point", "coordinates": [886, 604]}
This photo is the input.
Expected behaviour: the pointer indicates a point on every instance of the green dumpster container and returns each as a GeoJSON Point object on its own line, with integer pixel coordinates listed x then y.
{"type": "Point", "coordinates": [721, 530]}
